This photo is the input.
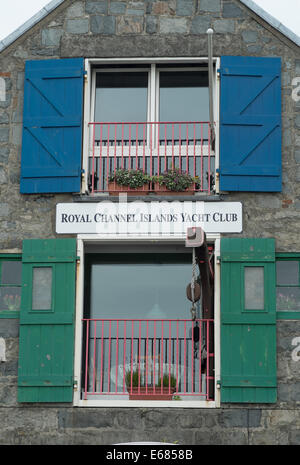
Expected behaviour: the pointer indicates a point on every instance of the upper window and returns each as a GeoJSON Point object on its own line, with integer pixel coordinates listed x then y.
{"type": "Point", "coordinates": [151, 94]}
{"type": "Point", "coordinates": [10, 286]}
{"type": "Point", "coordinates": [288, 287]}
{"type": "Point", "coordinates": [153, 118]}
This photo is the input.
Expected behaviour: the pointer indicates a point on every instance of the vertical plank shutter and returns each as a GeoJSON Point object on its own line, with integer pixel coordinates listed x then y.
{"type": "Point", "coordinates": [248, 336]}
{"type": "Point", "coordinates": [250, 124]}
{"type": "Point", "coordinates": [52, 126]}
{"type": "Point", "coordinates": [47, 332]}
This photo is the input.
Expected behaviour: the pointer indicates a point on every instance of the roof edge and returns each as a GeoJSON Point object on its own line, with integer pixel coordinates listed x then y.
{"type": "Point", "coordinates": [29, 23]}
{"type": "Point", "coordinates": [275, 23]}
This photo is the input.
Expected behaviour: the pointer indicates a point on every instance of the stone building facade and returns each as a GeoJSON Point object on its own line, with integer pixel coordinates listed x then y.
{"type": "Point", "coordinates": [165, 29]}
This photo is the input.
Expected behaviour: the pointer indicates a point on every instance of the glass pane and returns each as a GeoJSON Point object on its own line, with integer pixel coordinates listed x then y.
{"type": "Point", "coordinates": [121, 97]}
{"type": "Point", "coordinates": [10, 298]}
{"type": "Point", "coordinates": [288, 299]}
{"type": "Point", "coordinates": [287, 272]}
{"type": "Point", "coordinates": [254, 287]}
{"type": "Point", "coordinates": [184, 96]}
{"type": "Point", "coordinates": [42, 289]}
{"type": "Point", "coordinates": [141, 290]}
{"type": "Point", "coordinates": [11, 272]}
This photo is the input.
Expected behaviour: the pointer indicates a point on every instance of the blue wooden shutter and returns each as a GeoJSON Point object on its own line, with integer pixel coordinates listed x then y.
{"type": "Point", "coordinates": [52, 126]}
{"type": "Point", "coordinates": [46, 343]}
{"type": "Point", "coordinates": [250, 124]}
{"type": "Point", "coordinates": [248, 335]}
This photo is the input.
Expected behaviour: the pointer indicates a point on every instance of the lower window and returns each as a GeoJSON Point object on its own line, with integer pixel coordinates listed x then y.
{"type": "Point", "coordinates": [140, 340]}
{"type": "Point", "coordinates": [288, 286]}
{"type": "Point", "coordinates": [10, 285]}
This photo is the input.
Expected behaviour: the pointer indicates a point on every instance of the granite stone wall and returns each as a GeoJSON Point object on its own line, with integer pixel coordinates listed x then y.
{"type": "Point", "coordinates": [145, 28]}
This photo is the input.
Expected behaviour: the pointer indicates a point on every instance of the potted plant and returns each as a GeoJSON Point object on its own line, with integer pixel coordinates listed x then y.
{"type": "Point", "coordinates": [137, 389]}
{"type": "Point", "coordinates": [174, 181]}
{"type": "Point", "coordinates": [133, 182]}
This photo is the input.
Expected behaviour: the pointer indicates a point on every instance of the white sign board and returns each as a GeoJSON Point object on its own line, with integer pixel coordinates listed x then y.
{"type": "Point", "coordinates": [148, 218]}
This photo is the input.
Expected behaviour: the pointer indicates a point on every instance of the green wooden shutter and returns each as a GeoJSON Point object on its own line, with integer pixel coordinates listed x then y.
{"type": "Point", "coordinates": [248, 335]}
{"type": "Point", "coordinates": [47, 321]}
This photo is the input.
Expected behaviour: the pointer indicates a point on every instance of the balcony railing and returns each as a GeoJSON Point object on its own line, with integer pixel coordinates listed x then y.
{"type": "Point", "coordinates": [124, 357]}
{"type": "Point", "coordinates": [153, 147]}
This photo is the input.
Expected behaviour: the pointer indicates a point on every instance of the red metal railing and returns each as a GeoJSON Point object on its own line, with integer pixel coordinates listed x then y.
{"type": "Point", "coordinates": [153, 147]}
{"type": "Point", "coordinates": [123, 357]}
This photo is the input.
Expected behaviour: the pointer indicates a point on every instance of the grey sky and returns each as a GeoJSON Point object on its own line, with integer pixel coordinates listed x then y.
{"type": "Point", "coordinates": [15, 12]}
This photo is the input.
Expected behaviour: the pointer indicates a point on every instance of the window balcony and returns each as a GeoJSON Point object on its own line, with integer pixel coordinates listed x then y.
{"type": "Point", "coordinates": [153, 148]}
{"type": "Point", "coordinates": [128, 359]}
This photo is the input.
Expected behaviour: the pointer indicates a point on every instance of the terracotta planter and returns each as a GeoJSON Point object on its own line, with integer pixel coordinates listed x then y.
{"type": "Point", "coordinates": [140, 393]}
{"type": "Point", "coordinates": [115, 189]}
{"type": "Point", "coordinates": [164, 191]}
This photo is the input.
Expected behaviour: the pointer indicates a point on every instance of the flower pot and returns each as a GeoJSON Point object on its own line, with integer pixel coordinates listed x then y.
{"type": "Point", "coordinates": [116, 189]}
{"type": "Point", "coordinates": [139, 393]}
{"type": "Point", "coordinates": [162, 189]}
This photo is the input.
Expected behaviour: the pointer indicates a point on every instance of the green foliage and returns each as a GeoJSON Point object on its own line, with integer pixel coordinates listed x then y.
{"type": "Point", "coordinates": [167, 381]}
{"type": "Point", "coordinates": [130, 178]}
{"type": "Point", "coordinates": [137, 379]}
{"type": "Point", "coordinates": [175, 180]}
{"type": "Point", "coordinates": [134, 380]}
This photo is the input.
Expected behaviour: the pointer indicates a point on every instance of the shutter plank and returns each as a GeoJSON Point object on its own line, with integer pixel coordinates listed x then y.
{"type": "Point", "coordinates": [52, 126]}
{"type": "Point", "coordinates": [248, 337]}
{"type": "Point", "coordinates": [250, 124]}
{"type": "Point", "coordinates": [47, 336]}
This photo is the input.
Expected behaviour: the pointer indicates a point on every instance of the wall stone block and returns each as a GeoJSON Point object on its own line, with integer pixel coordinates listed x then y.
{"type": "Point", "coordinates": [77, 26]}
{"type": "Point", "coordinates": [232, 10]}
{"type": "Point", "coordinates": [117, 8]}
{"type": "Point", "coordinates": [249, 36]}
{"type": "Point", "coordinates": [224, 26]}
{"type": "Point", "coordinates": [4, 134]}
{"type": "Point", "coordinates": [51, 37]}
{"type": "Point", "coordinates": [185, 7]}
{"type": "Point", "coordinates": [130, 25]}
{"type": "Point", "coordinates": [103, 24]}
{"type": "Point", "coordinates": [99, 7]}
{"type": "Point", "coordinates": [173, 25]}
{"type": "Point", "coordinates": [213, 6]}
{"type": "Point", "coordinates": [200, 24]}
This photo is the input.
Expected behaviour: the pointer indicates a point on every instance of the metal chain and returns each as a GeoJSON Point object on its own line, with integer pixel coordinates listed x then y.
{"type": "Point", "coordinates": [193, 310]}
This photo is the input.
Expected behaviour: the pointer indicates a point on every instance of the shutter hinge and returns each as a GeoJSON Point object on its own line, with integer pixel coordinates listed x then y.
{"type": "Point", "coordinates": [75, 385]}
{"type": "Point", "coordinates": [218, 384]}
{"type": "Point", "coordinates": [218, 259]}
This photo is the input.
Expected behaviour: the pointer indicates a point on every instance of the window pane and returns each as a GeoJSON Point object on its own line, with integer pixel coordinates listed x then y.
{"type": "Point", "coordinates": [42, 289]}
{"type": "Point", "coordinates": [121, 97]}
{"type": "Point", "coordinates": [287, 272]}
{"type": "Point", "coordinates": [184, 96]}
{"type": "Point", "coordinates": [140, 290]}
{"type": "Point", "coordinates": [254, 287]}
{"type": "Point", "coordinates": [287, 298]}
{"type": "Point", "coordinates": [11, 272]}
{"type": "Point", "coordinates": [10, 298]}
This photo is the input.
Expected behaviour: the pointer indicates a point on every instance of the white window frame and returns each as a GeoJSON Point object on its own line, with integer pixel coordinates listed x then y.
{"type": "Point", "coordinates": [82, 241]}
{"type": "Point", "coordinates": [153, 97]}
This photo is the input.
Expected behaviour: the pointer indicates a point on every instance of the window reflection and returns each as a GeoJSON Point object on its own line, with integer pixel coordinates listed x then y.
{"type": "Point", "coordinates": [254, 287]}
{"type": "Point", "coordinates": [153, 290]}
{"type": "Point", "coordinates": [121, 97]}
